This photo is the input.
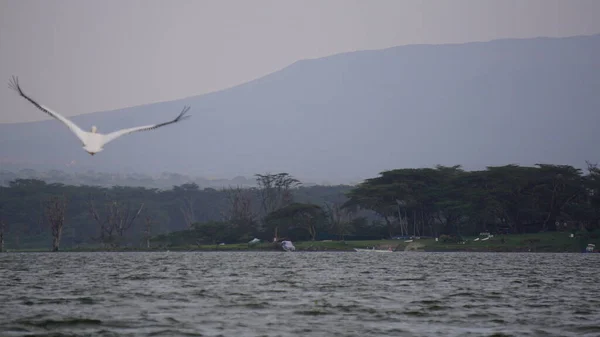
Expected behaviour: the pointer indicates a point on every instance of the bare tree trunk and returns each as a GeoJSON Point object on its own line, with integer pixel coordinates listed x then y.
{"type": "Point", "coordinates": [125, 219]}
{"type": "Point", "coordinates": [2, 228]}
{"type": "Point", "coordinates": [149, 221]}
{"type": "Point", "coordinates": [552, 202]}
{"type": "Point", "coordinates": [188, 212]}
{"type": "Point", "coordinates": [416, 228]}
{"type": "Point", "coordinates": [423, 225]}
{"type": "Point", "coordinates": [56, 239]}
{"type": "Point", "coordinates": [239, 202]}
{"type": "Point", "coordinates": [117, 219]}
{"type": "Point", "coordinates": [339, 218]}
{"type": "Point", "coordinates": [17, 239]}
{"type": "Point", "coordinates": [101, 222]}
{"type": "Point", "coordinates": [389, 226]}
{"type": "Point", "coordinates": [55, 214]}
{"type": "Point", "coordinates": [121, 218]}
{"type": "Point", "coordinates": [239, 212]}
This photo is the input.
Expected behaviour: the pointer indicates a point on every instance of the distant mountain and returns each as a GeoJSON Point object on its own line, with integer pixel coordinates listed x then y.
{"type": "Point", "coordinates": [352, 115]}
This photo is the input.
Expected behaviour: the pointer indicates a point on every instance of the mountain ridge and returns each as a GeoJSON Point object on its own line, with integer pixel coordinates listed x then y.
{"type": "Point", "coordinates": [325, 57]}
{"type": "Point", "coordinates": [351, 115]}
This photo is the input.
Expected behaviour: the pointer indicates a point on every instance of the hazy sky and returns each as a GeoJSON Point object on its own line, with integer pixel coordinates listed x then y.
{"type": "Point", "coordinates": [83, 56]}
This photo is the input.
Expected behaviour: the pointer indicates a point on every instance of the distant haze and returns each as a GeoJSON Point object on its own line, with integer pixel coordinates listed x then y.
{"type": "Point", "coordinates": [87, 56]}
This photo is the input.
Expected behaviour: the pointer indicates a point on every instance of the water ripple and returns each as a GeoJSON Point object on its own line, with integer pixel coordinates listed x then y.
{"type": "Point", "coordinates": [299, 294]}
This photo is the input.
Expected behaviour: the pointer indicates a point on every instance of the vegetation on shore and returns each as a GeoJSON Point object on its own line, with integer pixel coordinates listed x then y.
{"type": "Point", "coordinates": [526, 208]}
{"type": "Point", "coordinates": [538, 242]}
{"type": "Point", "coordinates": [555, 242]}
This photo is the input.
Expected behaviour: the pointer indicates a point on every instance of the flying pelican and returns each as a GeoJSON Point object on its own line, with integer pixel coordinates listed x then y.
{"type": "Point", "coordinates": [93, 142]}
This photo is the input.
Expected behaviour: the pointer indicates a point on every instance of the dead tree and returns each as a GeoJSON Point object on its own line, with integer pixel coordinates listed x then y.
{"type": "Point", "coordinates": [55, 215]}
{"type": "Point", "coordinates": [2, 225]}
{"type": "Point", "coordinates": [106, 231]}
{"type": "Point", "coordinates": [239, 204]}
{"type": "Point", "coordinates": [2, 230]}
{"type": "Point", "coordinates": [239, 212]}
{"type": "Point", "coordinates": [187, 210]}
{"type": "Point", "coordinates": [339, 218]}
{"type": "Point", "coordinates": [118, 217]}
{"type": "Point", "coordinates": [149, 220]}
{"type": "Point", "coordinates": [123, 216]}
{"type": "Point", "coordinates": [186, 194]}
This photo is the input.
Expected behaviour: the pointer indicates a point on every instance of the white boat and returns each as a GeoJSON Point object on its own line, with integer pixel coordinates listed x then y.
{"type": "Point", "coordinates": [288, 246]}
{"type": "Point", "coordinates": [374, 250]}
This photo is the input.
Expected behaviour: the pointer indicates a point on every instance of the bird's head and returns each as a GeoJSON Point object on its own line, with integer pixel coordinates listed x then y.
{"type": "Point", "coordinates": [94, 129]}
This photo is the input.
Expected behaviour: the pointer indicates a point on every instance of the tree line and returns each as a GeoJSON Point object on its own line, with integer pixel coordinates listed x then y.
{"type": "Point", "coordinates": [500, 199]}
{"type": "Point", "coordinates": [396, 203]}
{"type": "Point", "coordinates": [35, 214]}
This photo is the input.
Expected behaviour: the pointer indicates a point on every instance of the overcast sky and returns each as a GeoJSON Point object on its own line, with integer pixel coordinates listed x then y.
{"type": "Point", "coordinates": [83, 56]}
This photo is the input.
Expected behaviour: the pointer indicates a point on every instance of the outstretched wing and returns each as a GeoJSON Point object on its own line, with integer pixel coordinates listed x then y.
{"type": "Point", "coordinates": [14, 84]}
{"type": "Point", "coordinates": [114, 135]}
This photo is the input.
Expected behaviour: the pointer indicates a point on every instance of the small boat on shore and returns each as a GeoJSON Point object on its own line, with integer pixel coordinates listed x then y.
{"type": "Point", "coordinates": [287, 246]}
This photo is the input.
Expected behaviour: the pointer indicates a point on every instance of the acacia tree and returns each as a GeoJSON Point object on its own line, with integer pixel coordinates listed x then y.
{"type": "Point", "coordinates": [213, 231]}
{"type": "Point", "coordinates": [298, 215]}
{"type": "Point", "coordinates": [275, 192]}
{"type": "Point", "coordinates": [512, 187]}
{"type": "Point", "coordinates": [559, 186]}
{"type": "Point", "coordinates": [372, 196]}
{"type": "Point", "coordinates": [55, 215]}
{"type": "Point", "coordinates": [592, 181]}
{"type": "Point", "coordinates": [2, 223]}
{"type": "Point", "coordinates": [449, 193]}
{"type": "Point", "coordinates": [513, 198]}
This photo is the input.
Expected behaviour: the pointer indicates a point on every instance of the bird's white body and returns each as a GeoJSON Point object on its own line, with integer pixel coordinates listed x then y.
{"type": "Point", "coordinates": [93, 142]}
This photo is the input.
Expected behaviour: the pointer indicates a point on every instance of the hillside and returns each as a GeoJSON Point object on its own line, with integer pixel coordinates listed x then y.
{"type": "Point", "coordinates": [352, 115]}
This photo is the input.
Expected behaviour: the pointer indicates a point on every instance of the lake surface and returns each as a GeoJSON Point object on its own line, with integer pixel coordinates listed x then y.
{"type": "Point", "coordinates": [299, 294]}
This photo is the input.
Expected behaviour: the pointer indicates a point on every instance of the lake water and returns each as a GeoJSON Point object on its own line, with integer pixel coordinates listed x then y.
{"type": "Point", "coordinates": [299, 294]}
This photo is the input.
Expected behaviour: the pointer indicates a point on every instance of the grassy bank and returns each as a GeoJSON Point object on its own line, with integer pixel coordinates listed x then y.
{"type": "Point", "coordinates": [538, 242]}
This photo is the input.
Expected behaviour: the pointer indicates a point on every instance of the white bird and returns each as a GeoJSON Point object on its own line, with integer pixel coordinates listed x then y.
{"type": "Point", "coordinates": [93, 142]}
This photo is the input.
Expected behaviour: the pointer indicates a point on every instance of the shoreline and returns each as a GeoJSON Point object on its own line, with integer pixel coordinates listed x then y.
{"type": "Point", "coordinates": [548, 242]}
